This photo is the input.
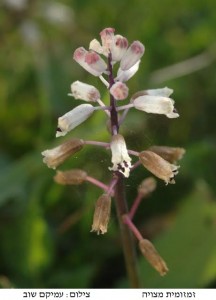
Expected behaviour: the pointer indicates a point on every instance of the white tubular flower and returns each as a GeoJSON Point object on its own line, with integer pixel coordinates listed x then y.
{"type": "Point", "coordinates": [90, 61]}
{"type": "Point", "coordinates": [132, 55]}
{"type": "Point", "coordinates": [120, 158]}
{"type": "Point", "coordinates": [73, 118]}
{"type": "Point", "coordinates": [119, 91]}
{"type": "Point", "coordinates": [156, 105]}
{"type": "Point", "coordinates": [126, 75]}
{"type": "Point", "coordinates": [84, 91]}
{"type": "Point", "coordinates": [164, 92]}
{"type": "Point", "coordinates": [118, 47]}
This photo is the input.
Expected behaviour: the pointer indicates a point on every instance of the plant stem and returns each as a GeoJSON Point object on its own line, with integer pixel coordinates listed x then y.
{"type": "Point", "coordinates": [126, 236]}
{"type": "Point", "coordinates": [120, 199]}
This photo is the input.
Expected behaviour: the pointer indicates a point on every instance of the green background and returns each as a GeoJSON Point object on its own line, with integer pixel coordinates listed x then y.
{"type": "Point", "coordinates": [45, 238]}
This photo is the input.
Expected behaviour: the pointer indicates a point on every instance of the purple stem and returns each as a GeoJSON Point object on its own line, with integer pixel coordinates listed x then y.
{"type": "Point", "coordinates": [132, 152]}
{"type": "Point", "coordinates": [112, 185]}
{"type": "Point", "coordinates": [135, 206]}
{"type": "Point", "coordinates": [132, 227]}
{"type": "Point", "coordinates": [120, 199]}
{"type": "Point", "coordinates": [96, 143]}
{"type": "Point", "coordinates": [97, 183]}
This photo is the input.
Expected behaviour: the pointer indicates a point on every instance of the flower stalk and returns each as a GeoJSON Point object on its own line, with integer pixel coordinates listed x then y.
{"type": "Point", "coordinates": [159, 160]}
{"type": "Point", "coordinates": [120, 201]}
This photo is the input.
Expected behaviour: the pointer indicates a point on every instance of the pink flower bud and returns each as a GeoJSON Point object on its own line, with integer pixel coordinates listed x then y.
{"type": "Point", "coordinates": [90, 61]}
{"type": "Point", "coordinates": [95, 62]}
{"type": "Point", "coordinates": [118, 47]}
{"type": "Point", "coordinates": [107, 37]}
{"type": "Point", "coordinates": [132, 55]}
{"type": "Point", "coordinates": [119, 91]}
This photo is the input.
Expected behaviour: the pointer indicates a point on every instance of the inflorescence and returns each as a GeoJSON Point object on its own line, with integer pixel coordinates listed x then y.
{"type": "Point", "coordinates": [159, 160]}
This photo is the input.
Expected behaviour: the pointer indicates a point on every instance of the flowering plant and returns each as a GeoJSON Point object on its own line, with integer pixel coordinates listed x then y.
{"type": "Point", "coordinates": [159, 160]}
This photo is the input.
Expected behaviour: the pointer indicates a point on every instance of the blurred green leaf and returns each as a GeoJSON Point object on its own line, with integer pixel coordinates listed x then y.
{"type": "Point", "coordinates": [189, 246]}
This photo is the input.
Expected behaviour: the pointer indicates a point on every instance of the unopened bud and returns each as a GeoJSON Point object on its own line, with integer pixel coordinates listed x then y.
{"type": "Point", "coordinates": [73, 177]}
{"type": "Point", "coordinates": [56, 156]}
{"type": "Point", "coordinates": [147, 186]}
{"type": "Point", "coordinates": [119, 47]}
{"type": "Point", "coordinates": [171, 154]}
{"type": "Point", "coordinates": [95, 62]}
{"type": "Point", "coordinates": [84, 91]}
{"type": "Point", "coordinates": [107, 38]}
{"type": "Point", "coordinates": [132, 55]}
{"type": "Point", "coordinates": [73, 118]}
{"type": "Point", "coordinates": [119, 91]}
{"type": "Point", "coordinates": [101, 214]}
{"type": "Point", "coordinates": [153, 257]}
{"type": "Point", "coordinates": [158, 166]}
{"type": "Point", "coordinates": [90, 61]}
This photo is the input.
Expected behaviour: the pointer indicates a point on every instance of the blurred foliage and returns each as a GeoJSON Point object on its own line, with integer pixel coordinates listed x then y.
{"type": "Point", "coordinates": [44, 228]}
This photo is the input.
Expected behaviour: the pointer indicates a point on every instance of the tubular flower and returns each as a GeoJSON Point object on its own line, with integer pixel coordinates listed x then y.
{"type": "Point", "coordinates": [132, 55]}
{"type": "Point", "coordinates": [156, 105]}
{"type": "Point", "coordinates": [147, 186]}
{"type": "Point", "coordinates": [107, 39]}
{"type": "Point", "coordinates": [73, 118]}
{"type": "Point", "coordinates": [158, 166]}
{"type": "Point", "coordinates": [84, 91]}
{"type": "Point", "coordinates": [120, 158]}
{"type": "Point", "coordinates": [153, 257]}
{"type": "Point", "coordinates": [118, 47]}
{"type": "Point", "coordinates": [56, 156]}
{"type": "Point", "coordinates": [101, 214]}
{"type": "Point", "coordinates": [171, 154]}
{"type": "Point", "coordinates": [73, 177]}
{"type": "Point", "coordinates": [90, 61]}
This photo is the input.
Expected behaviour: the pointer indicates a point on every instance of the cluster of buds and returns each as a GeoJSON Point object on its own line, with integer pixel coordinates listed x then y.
{"type": "Point", "coordinates": [159, 160]}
